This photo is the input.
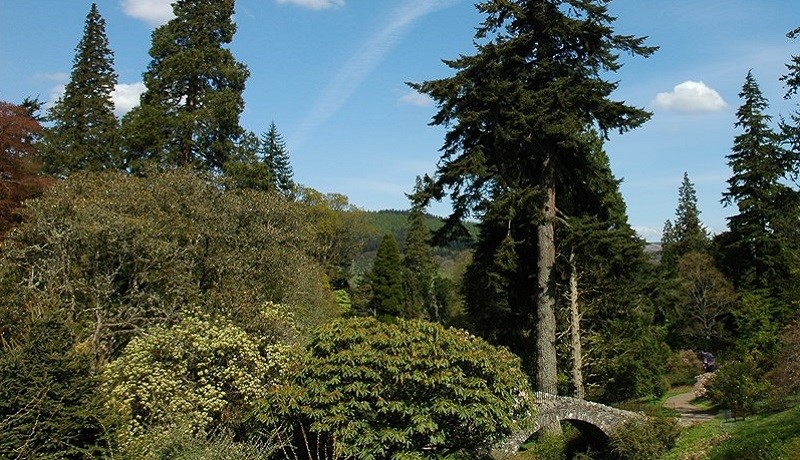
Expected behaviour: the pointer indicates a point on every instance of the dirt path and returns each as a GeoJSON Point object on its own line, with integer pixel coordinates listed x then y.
{"type": "Point", "coordinates": [689, 413]}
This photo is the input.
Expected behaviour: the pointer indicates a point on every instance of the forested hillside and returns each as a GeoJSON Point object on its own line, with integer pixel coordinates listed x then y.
{"type": "Point", "coordinates": [169, 291]}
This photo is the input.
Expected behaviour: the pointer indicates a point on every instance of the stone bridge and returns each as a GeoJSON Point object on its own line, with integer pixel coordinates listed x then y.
{"type": "Point", "coordinates": [590, 418]}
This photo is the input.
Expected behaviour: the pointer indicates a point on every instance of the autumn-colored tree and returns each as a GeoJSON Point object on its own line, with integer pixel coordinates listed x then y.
{"type": "Point", "coordinates": [19, 167]}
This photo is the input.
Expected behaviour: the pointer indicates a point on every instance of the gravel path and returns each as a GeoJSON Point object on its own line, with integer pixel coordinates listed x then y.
{"type": "Point", "coordinates": [689, 413]}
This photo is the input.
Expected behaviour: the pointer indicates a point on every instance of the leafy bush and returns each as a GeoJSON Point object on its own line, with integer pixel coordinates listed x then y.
{"type": "Point", "coordinates": [121, 254]}
{"type": "Point", "coordinates": [407, 390]}
{"type": "Point", "coordinates": [738, 386]}
{"type": "Point", "coordinates": [202, 373]}
{"type": "Point", "coordinates": [645, 439]}
{"type": "Point", "coordinates": [682, 368]}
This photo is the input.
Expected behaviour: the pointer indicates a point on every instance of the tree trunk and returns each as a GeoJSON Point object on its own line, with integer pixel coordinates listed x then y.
{"type": "Point", "coordinates": [546, 366]}
{"type": "Point", "coordinates": [575, 330]}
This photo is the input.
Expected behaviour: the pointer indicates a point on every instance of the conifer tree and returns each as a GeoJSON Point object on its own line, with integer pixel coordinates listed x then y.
{"type": "Point", "coordinates": [386, 279]}
{"type": "Point", "coordinates": [418, 266]}
{"type": "Point", "coordinates": [756, 245]}
{"type": "Point", "coordinates": [84, 132]}
{"type": "Point", "coordinates": [274, 154]}
{"type": "Point", "coordinates": [518, 112]}
{"type": "Point", "coordinates": [189, 114]}
{"type": "Point", "coordinates": [687, 234]}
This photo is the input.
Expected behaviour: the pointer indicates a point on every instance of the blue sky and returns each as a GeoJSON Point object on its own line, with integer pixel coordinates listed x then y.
{"type": "Point", "coordinates": [331, 73]}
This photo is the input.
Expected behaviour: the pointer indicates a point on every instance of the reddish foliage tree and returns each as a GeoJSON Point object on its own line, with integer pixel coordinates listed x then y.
{"type": "Point", "coordinates": [19, 167]}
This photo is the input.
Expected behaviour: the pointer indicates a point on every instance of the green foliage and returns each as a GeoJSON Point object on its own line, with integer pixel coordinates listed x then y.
{"type": "Point", "coordinates": [182, 443]}
{"type": "Point", "coordinates": [84, 132]}
{"type": "Point", "coordinates": [338, 232]}
{"type": "Point", "coordinates": [386, 279]}
{"type": "Point", "coordinates": [275, 156]}
{"type": "Point", "coordinates": [704, 301]}
{"type": "Point", "coordinates": [759, 248]}
{"type": "Point", "coordinates": [785, 375]}
{"type": "Point", "coordinates": [645, 439]}
{"type": "Point", "coordinates": [739, 386]}
{"type": "Point", "coordinates": [775, 437]}
{"type": "Point", "coordinates": [687, 234]}
{"type": "Point", "coordinates": [418, 268]}
{"type": "Point", "coordinates": [757, 328]}
{"type": "Point", "coordinates": [189, 114]}
{"type": "Point", "coordinates": [49, 408]}
{"type": "Point", "coordinates": [406, 390]}
{"type": "Point", "coordinates": [121, 253]}
{"type": "Point", "coordinates": [203, 374]}
{"type": "Point", "coordinates": [682, 368]}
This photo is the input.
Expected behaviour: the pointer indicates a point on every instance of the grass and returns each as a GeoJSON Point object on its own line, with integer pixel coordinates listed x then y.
{"type": "Point", "coordinates": [770, 437]}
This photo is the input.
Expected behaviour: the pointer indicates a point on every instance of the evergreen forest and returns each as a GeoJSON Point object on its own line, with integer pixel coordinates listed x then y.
{"type": "Point", "coordinates": [169, 291]}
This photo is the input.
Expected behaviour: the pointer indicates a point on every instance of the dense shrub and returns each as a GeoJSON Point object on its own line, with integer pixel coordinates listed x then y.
{"type": "Point", "coordinates": [203, 373]}
{"type": "Point", "coordinates": [683, 367]}
{"type": "Point", "coordinates": [120, 254]}
{"type": "Point", "coordinates": [645, 439]}
{"type": "Point", "coordinates": [405, 390]}
{"type": "Point", "coordinates": [738, 386]}
{"type": "Point", "coordinates": [49, 407]}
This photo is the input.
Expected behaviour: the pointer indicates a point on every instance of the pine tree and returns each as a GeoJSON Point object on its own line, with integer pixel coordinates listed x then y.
{"type": "Point", "coordinates": [518, 112]}
{"type": "Point", "coordinates": [189, 114]}
{"type": "Point", "coordinates": [386, 279]}
{"type": "Point", "coordinates": [274, 154]}
{"type": "Point", "coordinates": [687, 234]}
{"type": "Point", "coordinates": [418, 267]}
{"type": "Point", "coordinates": [755, 247]}
{"type": "Point", "coordinates": [84, 132]}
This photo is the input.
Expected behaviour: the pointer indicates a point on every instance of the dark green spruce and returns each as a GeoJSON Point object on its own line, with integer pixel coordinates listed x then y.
{"type": "Point", "coordinates": [386, 278]}
{"type": "Point", "coordinates": [84, 132]}
{"type": "Point", "coordinates": [687, 234]}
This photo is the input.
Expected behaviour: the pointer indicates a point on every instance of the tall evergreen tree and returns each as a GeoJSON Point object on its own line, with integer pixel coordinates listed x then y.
{"type": "Point", "coordinates": [189, 114]}
{"type": "Point", "coordinates": [274, 154]}
{"type": "Point", "coordinates": [418, 266]}
{"type": "Point", "coordinates": [386, 279]}
{"type": "Point", "coordinates": [84, 132]}
{"type": "Point", "coordinates": [518, 112]}
{"type": "Point", "coordinates": [756, 246]}
{"type": "Point", "coordinates": [687, 234]}
{"type": "Point", "coordinates": [790, 130]}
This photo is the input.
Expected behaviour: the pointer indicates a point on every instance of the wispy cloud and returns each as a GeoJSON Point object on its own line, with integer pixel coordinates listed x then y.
{"type": "Point", "coordinates": [314, 4]}
{"type": "Point", "coordinates": [153, 12]}
{"type": "Point", "coordinates": [415, 98]}
{"type": "Point", "coordinates": [350, 76]}
{"type": "Point", "coordinates": [690, 96]}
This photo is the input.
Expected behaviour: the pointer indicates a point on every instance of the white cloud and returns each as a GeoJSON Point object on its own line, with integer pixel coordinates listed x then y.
{"type": "Point", "coordinates": [416, 98]}
{"type": "Point", "coordinates": [153, 12]}
{"type": "Point", "coordinates": [314, 4]}
{"type": "Point", "coordinates": [126, 97]}
{"type": "Point", "coordinates": [690, 96]}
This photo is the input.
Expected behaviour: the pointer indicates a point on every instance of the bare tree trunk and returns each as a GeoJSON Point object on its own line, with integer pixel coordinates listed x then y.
{"type": "Point", "coordinates": [575, 330]}
{"type": "Point", "coordinates": [546, 365]}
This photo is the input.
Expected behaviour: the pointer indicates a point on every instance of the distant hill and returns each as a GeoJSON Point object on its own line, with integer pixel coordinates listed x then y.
{"type": "Point", "coordinates": [394, 222]}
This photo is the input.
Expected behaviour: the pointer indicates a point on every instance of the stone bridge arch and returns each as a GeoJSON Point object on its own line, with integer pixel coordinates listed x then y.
{"type": "Point", "coordinates": [589, 417]}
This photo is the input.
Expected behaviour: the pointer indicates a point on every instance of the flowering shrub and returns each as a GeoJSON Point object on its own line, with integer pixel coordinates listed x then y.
{"type": "Point", "coordinates": [202, 373]}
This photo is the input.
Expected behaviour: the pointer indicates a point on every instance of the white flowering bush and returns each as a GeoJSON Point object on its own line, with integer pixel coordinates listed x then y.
{"type": "Point", "coordinates": [203, 372]}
